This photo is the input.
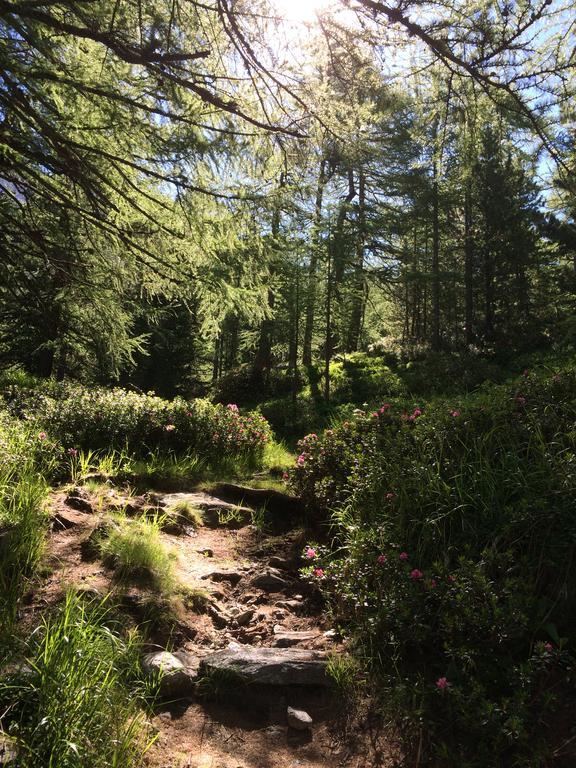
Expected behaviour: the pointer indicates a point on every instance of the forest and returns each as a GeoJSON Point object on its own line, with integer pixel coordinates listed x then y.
{"type": "Point", "coordinates": [287, 382]}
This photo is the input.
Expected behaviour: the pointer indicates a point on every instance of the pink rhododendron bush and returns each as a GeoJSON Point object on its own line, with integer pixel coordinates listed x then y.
{"type": "Point", "coordinates": [97, 418]}
{"type": "Point", "coordinates": [451, 567]}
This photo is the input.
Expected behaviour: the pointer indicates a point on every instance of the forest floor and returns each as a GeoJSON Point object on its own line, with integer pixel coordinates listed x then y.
{"type": "Point", "coordinates": [236, 727]}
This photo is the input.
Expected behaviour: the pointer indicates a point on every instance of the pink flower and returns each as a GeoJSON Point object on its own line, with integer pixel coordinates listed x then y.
{"type": "Point", "coordinates": [455, 414]}
{"type": "Point", "coordinates": [232, 407]}
{"type": "Point", "coordinates": [416, 412]}
{"type": "Point", "coordinates": [403, 556]}
{"type": "Point", "coordinates": [381, 559]}
{"type": "Point", "coordinates": [73, 451]}
{"type": "Point", "coordinates": [443, 684]}
{"type": "Point", "coordinates": [390, 496]}
{"type": "Point", "coordinates": [452, 579]}
{"type": "Point", "coordinates": [374, 415]}
{"type": "Point", "coordinates": [548, 647]}
{"type": "Point", "coordinates": [384, 408]}
{"type": "Point", "coordinates": [285, 476]}
{"type": "Point", "coordinates": [42, 435]}
{"type": "Point", "coordinates": [310, 553]}
{"type": "Point", "coordinates": [416, 574]}
{"type": "Point", "coordinates": [433, 583]}
{"type": "Point", "coordinates": [301, 459]}
{"type": "Point", "coordinates": [318, 572]}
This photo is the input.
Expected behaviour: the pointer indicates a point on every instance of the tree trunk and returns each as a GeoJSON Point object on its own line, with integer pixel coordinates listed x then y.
{"type": "Point", "coordinates": [468, 265]}
{"type": "Point", "coordinates": [263, 357]}
{"type": "Point", "coordinates": [339, 255]}
{"type": "Point", "coordinates": [435, 261]}
{"type": "Point", "coordinates": [359, 287]}
{"type": "Point", "coordinates": [313, 268]}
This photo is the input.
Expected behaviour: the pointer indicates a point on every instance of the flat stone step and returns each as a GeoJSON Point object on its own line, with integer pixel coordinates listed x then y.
{"type": "Point", "coordinates": [283, 638]}
{"type": "Point", "coordinates": [215, 512]}
{"type": "Point", "coordinates": [273, 500]}
{"type": "Point", "coordinates": [270, 666]}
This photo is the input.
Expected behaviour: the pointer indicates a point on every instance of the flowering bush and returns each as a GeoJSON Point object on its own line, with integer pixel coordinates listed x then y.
{"type": "Point", "coordinates": [457, 521]}
{"type": "Point", "coordinates": [94, 418]}
{"type": "Point", "coordinates": [462, 647]}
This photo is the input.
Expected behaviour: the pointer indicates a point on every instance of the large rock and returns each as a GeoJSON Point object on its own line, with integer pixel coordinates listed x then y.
{"type": "Point", "coordinates": [274, 501]}
{"type": "Point", "coordinates": [176, 675]}
{"type": "Point", "coordinates": [215, 512]}
{"type": "Point", "coordinates": [270, 666]}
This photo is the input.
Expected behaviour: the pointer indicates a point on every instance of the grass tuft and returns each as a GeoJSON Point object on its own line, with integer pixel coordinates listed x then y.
{"type": "Point", "coordinates": [137, 554]}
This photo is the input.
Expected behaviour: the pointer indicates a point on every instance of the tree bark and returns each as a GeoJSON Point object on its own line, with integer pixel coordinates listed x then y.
{"type": "Point", "coordinates": [435, 260]}
{"type": "Point", "coordinates": [313, 268]}
{"type": "Point", "coordinates": [468, 265]}
{"type": "Point", "coordinates": [359, 287]}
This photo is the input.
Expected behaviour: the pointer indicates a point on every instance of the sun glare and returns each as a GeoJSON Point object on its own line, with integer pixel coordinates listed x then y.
{"type": "Point", "coordinates": [303, 11]}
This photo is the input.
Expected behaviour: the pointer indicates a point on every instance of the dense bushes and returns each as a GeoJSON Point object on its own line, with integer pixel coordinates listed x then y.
{"type": "Point", "coordinates": [93, 418]}
{"type": "Point", "coordinates": [455, 534]}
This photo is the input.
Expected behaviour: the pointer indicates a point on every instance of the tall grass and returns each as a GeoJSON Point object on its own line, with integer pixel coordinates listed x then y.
{"type": "Point", "coordinates": [23, 521]}
{"type": "Point", "coordinates": [73, 703]}
{"type": "Point", "coordinates": [22, 534]}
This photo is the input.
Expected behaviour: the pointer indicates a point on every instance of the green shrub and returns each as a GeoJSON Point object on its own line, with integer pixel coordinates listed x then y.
{"type": "Point", "coordinates": [102, 419]}
{"type": "Point", "coordinates": [454, 528]}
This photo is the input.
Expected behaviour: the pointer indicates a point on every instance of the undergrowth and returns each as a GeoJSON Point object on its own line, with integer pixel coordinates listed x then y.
{"type": "Point", "coordinates": [451, 566]}
{"type": "Point", "coordinates": [74, 699]}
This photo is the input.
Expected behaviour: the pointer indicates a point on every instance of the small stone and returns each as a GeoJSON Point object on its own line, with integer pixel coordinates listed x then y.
{"type": "Point", "coordinates": [63, 521]}
{"type": "Point", "coordinates": [270, 581]}
{"type": "Point", "coordinates": [286, 639]}
{"type": "Point", "coordinates": [281, 562]}
{"type": "Point", "coordinates": [205, 552]}
{"type": "Point", "coordinates": [89, 593]}
{"type": "Point", "coordinates": [295, 606]}
{"type": "Point", "coordinates": [8, 751]}
{"type": "Point", "coordinates": [78, 499]}
{"type": "Point", "coordinates": [232, 576]}
{"type": "Point", "coordinates": [90, 547]}
{"type": "Point", "coordinates": [298, 719]}
{"type": "Point", "coordinates": [219, 618]}
{"type": "Point", "coordinates": [244, 618]}
{"type": "Point", "coordinates": [176, 679]}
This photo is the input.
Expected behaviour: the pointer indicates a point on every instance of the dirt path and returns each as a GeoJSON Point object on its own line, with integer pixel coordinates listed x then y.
{"type": "Point", "coordinates": [249, 592]}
